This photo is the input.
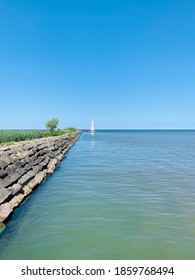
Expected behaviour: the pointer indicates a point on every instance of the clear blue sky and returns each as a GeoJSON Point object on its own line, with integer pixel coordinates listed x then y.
{"type": "Point", "coordinates": [127, 64]}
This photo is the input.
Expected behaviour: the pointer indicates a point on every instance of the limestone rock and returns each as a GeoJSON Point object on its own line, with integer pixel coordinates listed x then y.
{"type": "Point", "coordinates": [3, 174]}
{"type": "Point", "coordinates": [52, 164]}
{"type": "Point", "coordinates": [16, 200]}
{"type": "Point", "coordinates": [3, 164]}
{"type": "Point", "coordinates": [15, 188]}
{"type": "Point", "coordinates": [10, 180]}
{"type": "Point", "coordinates": [5, 210]}
{"type": "Point", "coordinates": [4, 194]}
{"type": "Point", "coordinates": [25, 179]}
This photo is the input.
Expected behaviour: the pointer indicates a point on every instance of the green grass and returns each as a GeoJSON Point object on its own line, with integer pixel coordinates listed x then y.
{"type": "Point", "coordinates": [7, 143]}
{"type": "Point", "coordinates": [8, 137]}
{"type": "Point", "coordinates": [19, 135]}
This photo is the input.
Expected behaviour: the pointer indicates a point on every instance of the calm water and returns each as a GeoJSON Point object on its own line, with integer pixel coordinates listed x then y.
{"type": "Point", "coordinates": [117, 195]}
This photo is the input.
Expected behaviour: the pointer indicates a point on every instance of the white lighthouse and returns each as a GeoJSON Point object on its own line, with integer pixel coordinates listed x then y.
{"type": "Point", "coordinates": [92, 130]}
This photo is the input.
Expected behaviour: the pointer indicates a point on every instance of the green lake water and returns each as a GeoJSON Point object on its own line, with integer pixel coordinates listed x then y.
{"type": "Point", "coordinates": [116, 195]}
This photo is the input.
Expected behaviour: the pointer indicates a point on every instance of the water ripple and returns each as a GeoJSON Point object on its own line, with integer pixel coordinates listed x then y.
{"type": "Point", "coordinates": [118, 195]}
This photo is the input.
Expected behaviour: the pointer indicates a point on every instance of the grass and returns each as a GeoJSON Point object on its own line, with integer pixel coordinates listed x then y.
{"type": "Point", "coordinates": [9, 137]}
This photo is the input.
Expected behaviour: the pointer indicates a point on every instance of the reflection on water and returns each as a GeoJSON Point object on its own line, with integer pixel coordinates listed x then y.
{"type": "Point", "coordinates": [92, 144]}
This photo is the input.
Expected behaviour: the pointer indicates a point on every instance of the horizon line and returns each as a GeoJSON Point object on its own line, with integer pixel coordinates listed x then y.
{"type": "Point", "coordinates": [88, 129]}
{"type": "Point", "coordinates": [102, 128]}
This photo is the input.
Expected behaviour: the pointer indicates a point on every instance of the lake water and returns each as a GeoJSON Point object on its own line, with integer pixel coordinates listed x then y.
{"type": "Point", "coordinates": [116, 195]}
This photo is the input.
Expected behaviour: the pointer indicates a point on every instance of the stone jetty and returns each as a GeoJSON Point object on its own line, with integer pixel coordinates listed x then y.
{"type": "Point", "coordinates": [24, 165]}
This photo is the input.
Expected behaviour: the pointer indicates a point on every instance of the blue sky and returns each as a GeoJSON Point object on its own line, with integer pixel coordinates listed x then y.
{"type": "Point", "coordinates": [127, 64]}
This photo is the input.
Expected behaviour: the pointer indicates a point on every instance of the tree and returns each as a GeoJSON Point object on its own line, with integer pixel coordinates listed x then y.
{"type": "Point", "coordinates": [52, 124]}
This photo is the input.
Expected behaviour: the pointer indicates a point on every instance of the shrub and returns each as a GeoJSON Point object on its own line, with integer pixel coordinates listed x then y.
{"type": "Point", "coordinates": [52, 124]}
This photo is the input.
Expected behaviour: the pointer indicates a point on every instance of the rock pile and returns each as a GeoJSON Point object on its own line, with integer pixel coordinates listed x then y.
{"type": "Point", "coordinates": [24, 165]}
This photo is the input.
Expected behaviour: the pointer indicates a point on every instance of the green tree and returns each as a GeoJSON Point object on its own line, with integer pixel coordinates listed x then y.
{"type": "Point", "coordinates": [52, 124]}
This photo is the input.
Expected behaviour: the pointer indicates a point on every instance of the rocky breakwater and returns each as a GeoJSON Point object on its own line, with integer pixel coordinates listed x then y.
{"type": "Point", "coordinates": [24, 165]}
